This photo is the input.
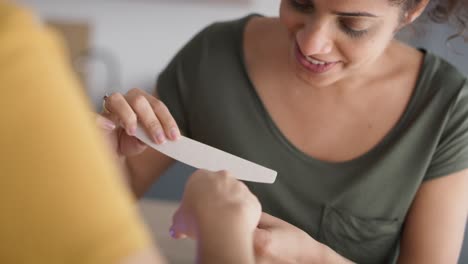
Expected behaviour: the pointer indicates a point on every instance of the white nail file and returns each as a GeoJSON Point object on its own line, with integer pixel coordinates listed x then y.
{"type": "Point", "coordinates": [202, 156]}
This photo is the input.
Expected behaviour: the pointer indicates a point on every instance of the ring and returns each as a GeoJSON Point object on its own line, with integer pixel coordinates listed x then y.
{"type": "Point", "coordinates": [104, 98]}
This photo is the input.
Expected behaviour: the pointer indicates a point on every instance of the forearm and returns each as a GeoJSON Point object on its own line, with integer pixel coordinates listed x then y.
{"type": "Point", "coordinates": [225, 244]}
{"type": "Point", "coordinates": [329, 256]}
{"type": "Point", "coordinates": [143, 170]}
{"type": "Point", "coordinates": [138, 181]}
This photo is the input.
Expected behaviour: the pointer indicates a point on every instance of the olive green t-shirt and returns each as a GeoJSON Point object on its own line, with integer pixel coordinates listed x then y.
{"type": "Point", "coordinates": [356, 207]}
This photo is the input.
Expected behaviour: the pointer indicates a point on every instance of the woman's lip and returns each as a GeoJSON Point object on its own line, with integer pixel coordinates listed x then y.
{"type": "Point", "coordinates": [312, 57]}
{"type": "Point", "coordinates": [318, 59]}
{"type": "Point", "coordinates": [314, 68]}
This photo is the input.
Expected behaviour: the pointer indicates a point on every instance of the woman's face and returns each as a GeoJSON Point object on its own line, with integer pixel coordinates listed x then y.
{"type": "Point", "coordinates": [331, 40]}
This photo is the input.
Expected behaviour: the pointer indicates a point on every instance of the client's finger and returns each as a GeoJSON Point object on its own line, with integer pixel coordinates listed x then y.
{"type": "Point", "coordinates": [179, 228]}
{"type": "Point", "coordinates": [105, 123]}
{"type": "Point", "coordinates": [176, 234]}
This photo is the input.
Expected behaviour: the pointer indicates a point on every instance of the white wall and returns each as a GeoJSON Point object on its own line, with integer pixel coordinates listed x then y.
{"type": "Point", "coordinates": [144, 34]}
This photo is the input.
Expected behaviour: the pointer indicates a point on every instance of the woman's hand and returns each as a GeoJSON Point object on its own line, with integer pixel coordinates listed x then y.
{"type": "Point", "coordinates": [123, 112]}
{"type": "Point", "coordinates": [218, 203]}
{"type": "Point", "coordinates": [277, 241]}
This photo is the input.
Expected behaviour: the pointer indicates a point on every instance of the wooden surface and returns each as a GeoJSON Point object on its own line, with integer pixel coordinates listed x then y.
{"type": "Point", "coordinates": [158, 217]}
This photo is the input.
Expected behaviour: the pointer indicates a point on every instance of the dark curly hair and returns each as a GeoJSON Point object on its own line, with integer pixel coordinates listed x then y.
{"type": "Point", "coordinates": [453, 12]}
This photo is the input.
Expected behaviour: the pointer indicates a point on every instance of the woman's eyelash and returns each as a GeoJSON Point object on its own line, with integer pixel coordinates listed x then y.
{"type": "Point", "coordinates": [351, 32]}
{"type": "Point", "coordinates": [305, 6]}
{"type": "Point", "coordinates": [302, 5]}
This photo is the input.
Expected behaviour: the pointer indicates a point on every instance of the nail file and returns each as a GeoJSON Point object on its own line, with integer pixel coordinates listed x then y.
{"type": "Point", "coordinates": [201, 156]}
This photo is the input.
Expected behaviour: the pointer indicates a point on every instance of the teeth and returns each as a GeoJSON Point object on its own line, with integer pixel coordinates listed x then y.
{"type": "Point", "coordinates": [316, 62]}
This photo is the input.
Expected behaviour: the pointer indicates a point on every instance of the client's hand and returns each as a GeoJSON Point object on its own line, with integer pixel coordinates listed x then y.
{"type": "Point", "coordinates": [216, 203]}
{"type": "Point", "coordinates": [278, 242]}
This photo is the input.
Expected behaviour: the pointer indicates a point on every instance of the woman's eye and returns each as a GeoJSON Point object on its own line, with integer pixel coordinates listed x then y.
{"type": "Point", "coordinates": [351, 31]}
{"type": "Point", "coordinates": [302, 5]}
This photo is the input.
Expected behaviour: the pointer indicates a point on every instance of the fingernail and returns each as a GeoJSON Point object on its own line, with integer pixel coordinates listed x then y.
{"type": "Point", "coordinates": [174, 132]}
{"type": "Point", "coordinates": [161, 139]}
{"type": "Point", "coordinates": [109, 125]}
{"type": "Point", "coordinates": [172, 233]}
{"type": "Point", "coordinates": [131, 131]}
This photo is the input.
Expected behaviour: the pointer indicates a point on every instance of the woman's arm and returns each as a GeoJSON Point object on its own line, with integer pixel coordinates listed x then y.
{"type": "Point", "coordinates": [435, 224]}
{"type": "Point", "coordinates": [143, 170]}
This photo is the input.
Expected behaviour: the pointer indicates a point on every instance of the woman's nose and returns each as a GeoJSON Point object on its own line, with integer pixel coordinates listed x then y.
{"type": "Point", "coordinates": [314, 39]}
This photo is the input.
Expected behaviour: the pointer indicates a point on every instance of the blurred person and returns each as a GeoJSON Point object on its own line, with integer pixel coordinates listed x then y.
{"type": "Point", "coordinates": [61, 197]}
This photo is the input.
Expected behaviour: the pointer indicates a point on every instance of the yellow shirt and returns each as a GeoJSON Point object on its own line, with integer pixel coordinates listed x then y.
{"type": "Point", "coordinates": [61, 200]}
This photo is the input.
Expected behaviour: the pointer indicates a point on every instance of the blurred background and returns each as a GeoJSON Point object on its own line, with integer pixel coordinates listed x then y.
{"type": "Point", "coordinates": [116, 45]}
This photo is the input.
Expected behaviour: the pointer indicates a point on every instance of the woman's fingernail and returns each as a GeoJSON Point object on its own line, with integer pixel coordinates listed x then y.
{"type": "Point", "coordinates": [161, 139]}
{"type": "Point", "coordinates": [131, 131]}
{"type": "Point", "coordinates": [109, 125]}
{"type": "Point", "coordinates": [174, 132]}
{"type": "Point", "coordinates": [172, 233]}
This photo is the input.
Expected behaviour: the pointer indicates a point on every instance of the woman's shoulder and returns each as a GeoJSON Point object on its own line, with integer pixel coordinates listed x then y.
{"type": "Point", "coordinates": [214, 49]}
{"type": "Point", "coordinates": [432, 65]}
{"type": "Point", "coordinates": [443, 68]}
{"type": "Point", "coordinates": [235, 30]}
{"type": "Point", "coordinates": [437, 81]}
{"type": "Point", "coordinates": [219, 36]}
{"type": "Point", "coordinates": [228, 28]}
{"type": "Point", "coordinates": [444, 84]}
{"type": "Point", "coordinates": [435, 71]}
{"type": "Point", "coordinates": [239, 22]}
{"type": "Point", "coordinates": [441, 75]}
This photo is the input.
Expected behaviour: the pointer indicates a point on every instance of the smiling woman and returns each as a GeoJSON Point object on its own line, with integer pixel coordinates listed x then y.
{"type": "Point", "coordinates": [368, 135]}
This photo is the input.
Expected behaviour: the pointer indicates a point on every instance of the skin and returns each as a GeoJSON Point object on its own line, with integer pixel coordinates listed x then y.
{"type": "Point", "coordinates": [205, 215]}
{"type": "Point", "coordinates": [358, 100]}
